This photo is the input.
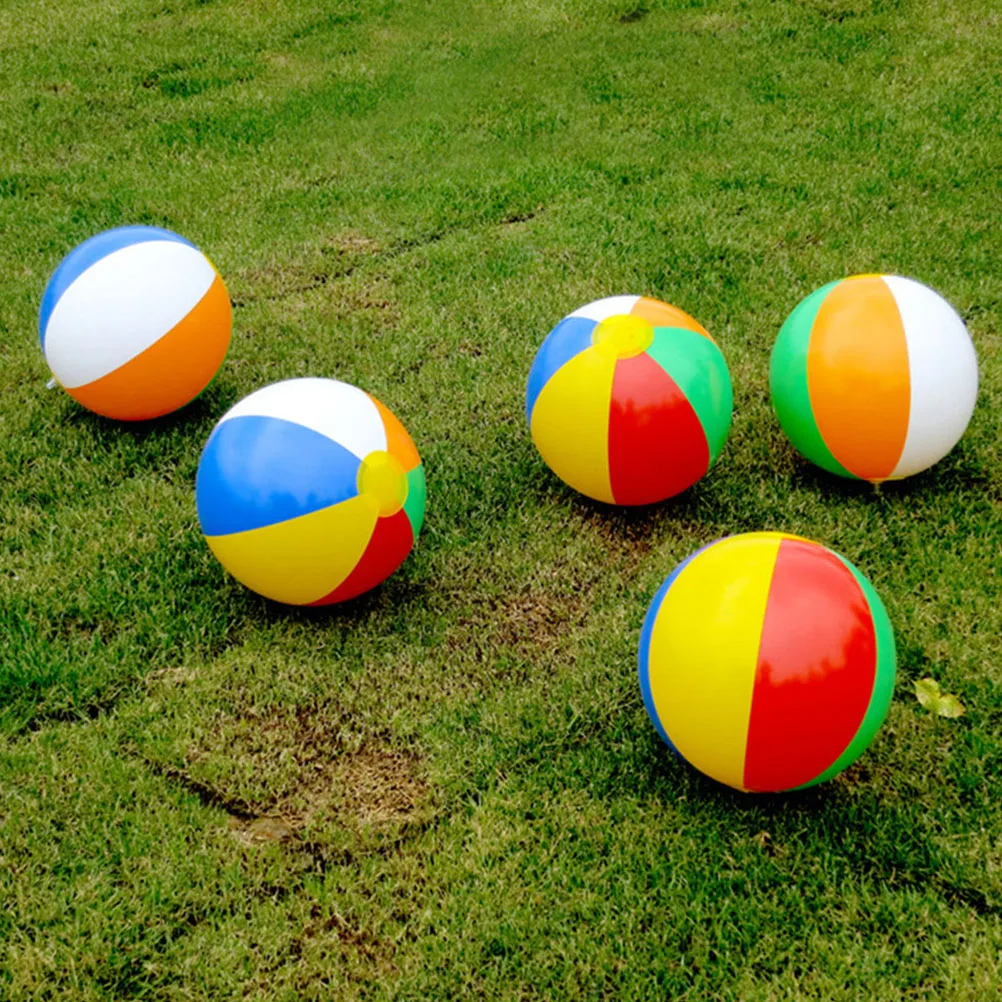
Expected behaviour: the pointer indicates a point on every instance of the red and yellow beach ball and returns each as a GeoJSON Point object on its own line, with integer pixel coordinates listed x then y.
{"type": "Point", "coordinates": [874, 377]}
{"type": "Point", "coordinates": [629, 400]}
{"type": "Point", "coordinates": [767, 662]}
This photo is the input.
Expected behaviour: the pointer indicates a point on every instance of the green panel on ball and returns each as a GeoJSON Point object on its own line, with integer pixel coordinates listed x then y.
{"type": "Point", "coordinates": [416, 495]}
{"type": "Point", "coordinates": [698, 368]}
{"type": "Point", "coordinates": [883, 682]}
{"type": "Point", "coordinates": [788, 383]}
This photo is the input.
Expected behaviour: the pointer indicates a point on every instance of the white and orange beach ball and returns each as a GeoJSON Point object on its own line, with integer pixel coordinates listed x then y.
{"type": "Point", "coordinates": [135, 322]}
{"type": "Point", "coordinates": [874, 377]}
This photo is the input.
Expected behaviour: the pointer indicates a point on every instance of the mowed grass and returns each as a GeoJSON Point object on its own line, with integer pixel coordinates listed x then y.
{"type": "Point", "coordinates": [449, 788]}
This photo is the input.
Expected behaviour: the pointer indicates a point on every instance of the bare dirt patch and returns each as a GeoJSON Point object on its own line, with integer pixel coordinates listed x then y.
{"type": "Point", "coordinates": [260, 830]}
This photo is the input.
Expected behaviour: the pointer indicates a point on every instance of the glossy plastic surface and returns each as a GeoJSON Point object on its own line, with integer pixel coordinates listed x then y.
{"type": "Point", "coordinates": [310, 492]}
{"type": "Point", "coordinates": [767, 662]}
{"type": "Point", "coordinates": [874, 377]}
{"type": "Point", "coordinates": [629, 400]}
{"type": "Point", "coordinates": [135, 322]}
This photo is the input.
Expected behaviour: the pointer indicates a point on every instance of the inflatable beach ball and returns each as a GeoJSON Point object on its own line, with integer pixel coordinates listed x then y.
{"type": "Point", "coordinates": [310, 491]}
{"type": "Point", "coordinates": [874, 377]}
{"type": "Point", "coordinates": [629, 400]}
{"type": "Point", "coordinates": [135, 322]}
{"type": "Point", "coordinates": [767, 662]}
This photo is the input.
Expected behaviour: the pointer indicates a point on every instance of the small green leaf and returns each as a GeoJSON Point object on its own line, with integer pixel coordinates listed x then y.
{"type": "Point", "coordinates": [950, 706]}
{"type": "Point", "coordinates": [927, 692]}
{"type": "Point", "coordinates": [943, 704]}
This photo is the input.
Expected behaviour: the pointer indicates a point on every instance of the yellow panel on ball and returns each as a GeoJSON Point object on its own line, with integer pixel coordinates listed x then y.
{"type": "Point", "coordinates": [570, 423]}
{"type": "Point", "coordinates": [707, 712]}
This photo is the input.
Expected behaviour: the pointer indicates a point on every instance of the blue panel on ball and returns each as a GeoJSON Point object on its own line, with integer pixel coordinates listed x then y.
{"type": "Point", "coordinates": [569, 338]}
{"type": "Point", "coordinates": [257, 471]}
{"type": "Point", "coordinates": [643, 662]}
{"type": "Point", "coordinates": [89, 253]}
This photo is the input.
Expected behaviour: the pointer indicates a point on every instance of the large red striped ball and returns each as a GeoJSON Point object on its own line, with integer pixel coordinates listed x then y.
{"type": "Point", "coordinates": [767, 661]}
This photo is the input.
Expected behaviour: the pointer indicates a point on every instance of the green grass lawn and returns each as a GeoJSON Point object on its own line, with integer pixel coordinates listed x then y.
{"type": "Point", "coordinates": [449, 789]}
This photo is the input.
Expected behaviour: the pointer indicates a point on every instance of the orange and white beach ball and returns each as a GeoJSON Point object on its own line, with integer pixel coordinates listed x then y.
{"type": "Point", "coordinates": [135, 322]}
{"type": "Point", "coordinates": [874, 377]}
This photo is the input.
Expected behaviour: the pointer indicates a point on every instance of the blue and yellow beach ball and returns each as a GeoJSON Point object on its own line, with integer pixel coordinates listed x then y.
{"type": "Point", "coordinates": [767, 662]}
{"type": "Point", "coordinates": [135, 322]}
{"type": "Point", "coordinates": [629, 400]}
{"type": "Point", "coordinates": [310, 491]}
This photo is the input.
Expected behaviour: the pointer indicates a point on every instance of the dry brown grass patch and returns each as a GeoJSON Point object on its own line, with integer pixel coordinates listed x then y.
{"type": "Point", "coordinates": [340, 302]}
{"type": "Point", "coordinates": [277, 772]}
{"type": "Point", "coordinates": [334, 258]}
{"type": "Point", "coordinates": [381, 786]}
{"type": "Point", "coordinates": [369, 788]}
{"type": "Point", "coordinates": [351, 242]}
{"type": "Point", "coordinates": [625, 538]}
{"type": "Point", "coordinates": [524, 624]}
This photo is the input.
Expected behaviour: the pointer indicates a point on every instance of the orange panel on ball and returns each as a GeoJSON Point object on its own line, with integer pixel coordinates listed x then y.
{"type": "Point", "coordinates": [659, 314]}
{"type": "Point", "coordinates": [398, 443]}
{"type": "Point", "coordinates": [857, 376]}
{"type": "Point", "coordinates": [171, 371]}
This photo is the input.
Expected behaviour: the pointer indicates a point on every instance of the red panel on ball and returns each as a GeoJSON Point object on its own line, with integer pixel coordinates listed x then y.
{"type": "Point", "coordinates": [391, 541]}
{"type": "Point", "coordinates": [657, 447]}
{"type": "Point", "coordinates": [816, 669]}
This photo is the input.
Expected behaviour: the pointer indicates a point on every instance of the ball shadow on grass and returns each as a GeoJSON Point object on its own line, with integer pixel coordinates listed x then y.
{"type": "Point", "coordinates": [208, 406]}
{"type": "Point", "coordinates": [692, 510]}
{"type": "Point", "coordinates": [393, 596]}
{"type": "Point", "coordinates": [847, 812]}
{"type": "Point", "coordinates": [957, 471]}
